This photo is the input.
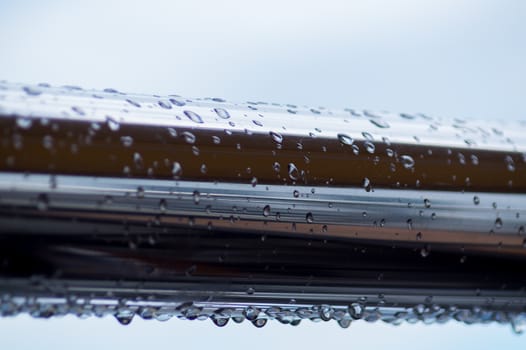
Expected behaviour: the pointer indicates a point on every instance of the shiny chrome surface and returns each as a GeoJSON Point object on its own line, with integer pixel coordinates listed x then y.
{"type": "Point", "coordinates": [162, 206]}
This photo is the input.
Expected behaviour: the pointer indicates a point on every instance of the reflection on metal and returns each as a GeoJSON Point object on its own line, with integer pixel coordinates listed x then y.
{"type": "Point", "coordinates": [163, 206]}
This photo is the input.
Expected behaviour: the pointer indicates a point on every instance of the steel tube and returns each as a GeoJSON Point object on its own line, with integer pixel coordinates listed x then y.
{"type": "Point", "coordinates": [161, 206]}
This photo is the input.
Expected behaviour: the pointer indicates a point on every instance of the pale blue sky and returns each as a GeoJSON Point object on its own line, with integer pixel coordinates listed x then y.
{"type": "Point", "coordinates": [456, 58]}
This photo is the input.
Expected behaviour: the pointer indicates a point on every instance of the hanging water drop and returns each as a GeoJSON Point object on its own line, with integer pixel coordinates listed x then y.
{"type": "Point", "coordinates": [260, 322]}
{"type": "Point", "coordinates": [356, 310]}
{"type": "Point", "coordinates": [220, 321]}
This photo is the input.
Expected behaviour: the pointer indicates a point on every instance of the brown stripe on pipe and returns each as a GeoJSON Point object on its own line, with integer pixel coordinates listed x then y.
{"type": "Point", "coordinates": [140, 151]}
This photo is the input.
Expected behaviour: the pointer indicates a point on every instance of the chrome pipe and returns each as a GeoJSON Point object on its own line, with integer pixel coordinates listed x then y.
{"type": "Point", "coordinates": [163, 206]}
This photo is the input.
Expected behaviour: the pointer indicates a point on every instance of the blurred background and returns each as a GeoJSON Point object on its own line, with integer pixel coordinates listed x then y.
{"type": "Point", "coordinates": [451, 58]}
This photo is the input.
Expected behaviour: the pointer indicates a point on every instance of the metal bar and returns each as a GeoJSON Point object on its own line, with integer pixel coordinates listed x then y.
{"type": "Point", "coordinates": [122, 204]}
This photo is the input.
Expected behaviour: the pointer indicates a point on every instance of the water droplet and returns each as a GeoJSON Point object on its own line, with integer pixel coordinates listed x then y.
{"type": "Point", "coordinates": [309, 218]}
{"type": "Point", "coordinates": [254, 182]}
{"type": "Point", "coordinates": [407, 161]}
{"type": "Point", "coordinates": [113, 125]}
{"type": "Point", "coordinates": [266, 210]}
{"type": "Point", "coordinates": [326, 312]}
{"type": "Point", "coordinates": [344, 323]}
{"type": "Point", "coordinates": [140, 192]}
{"type": "Point", "coordinates": [474, 159]}
{"type": "Point", "coordinates": [427, 203]}
{"type": "Point", "coordinates": [278, 138]}
{"type": "Point", "coordinates": [276, 166]}
{"type": "Point", "coordinates": [42, 202]}
{"type": "Point", "coordinates": [127, 141]}
{"type": "Point", "coordinates": [216, 140]}
{"type": "Point", "coordinates": [197, 196]}
{"type": "Point", "coordinates": [164, 104]}
{"type": "Point", "coordinates": [47, 142]}
{"type": "Point", "coordinates": [409, 224]}
{"type": "Point", "coordinates": [196, 118]}
{"type": "Point", "coordinates": [260, 322]}
{"type": "Point", "coordinates": [137, 159]}
{"type": "Point", "coordinates": [498, 223]}
{"type": "Point", "coordinates": [125, 318]}
{"type": "Point", "coordinates": [419, 236]}
{"type": "Point", "coordinates": [133, 103]}
{"type": "Point", "coordinates": [222, 113]}
{"type": "Point", "coordinates": [355, 150]}
{"type": "Point", "coordinates": [369, 146]}
{"type": "Point", "coordinates": [162, 205]}
{"type": "Point", "coordinates": [356, 310]}
{"type": "Point", "coordinates": [379, 123]}
{"type": "Point", "coordinates": [24, 123]}
{"type": "Point", "coordinates": [251, 313]}
{"type": "Point", "coordinates": [324, 228]}
{"type": "Point", "coordinates": [189, 137]}
{"type": "Point", "coordinates": [296, 193]}
{"type": "Point", "coordinates": [366, 184]}
{"type": "Point", "coordinates": [461, 159]}
{"type": "Point", "coordinates": [177, 102]}
{"type": "Point", "coordinates": [203, 169]}
{"type": "Point", "coordinates": [293, 172]}
{"type": "Point", "coordinates": [257, 122]}
{"type": "Point", "coordinates": [510, 165]}
{"type": "Point", "coordinates": [250, 291]}
{"type": "Point", "coordinates": [476, 200]}
{"type": "Point", "coordinates": [220, 321]}
{"type": "Point", "coordinates": [424, 252]}
{"type": "Point", "coordinates": [345, 139]}
{"type": "Point", "coordinates": [31, 91]}
{"type": "Point", "coordinates": [177, 170]}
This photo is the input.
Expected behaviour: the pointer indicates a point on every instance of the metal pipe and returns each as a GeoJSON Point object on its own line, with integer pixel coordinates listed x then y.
{"type": "Point", "coordinates": [164, 206]}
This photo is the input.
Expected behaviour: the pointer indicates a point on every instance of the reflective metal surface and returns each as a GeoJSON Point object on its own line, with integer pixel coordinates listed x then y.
{"type": "Point", "coordinates": [163, 206]}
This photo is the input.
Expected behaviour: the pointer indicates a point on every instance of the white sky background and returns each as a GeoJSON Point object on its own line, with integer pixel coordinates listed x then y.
{"type": "Point", "coordinates": [455, 58]}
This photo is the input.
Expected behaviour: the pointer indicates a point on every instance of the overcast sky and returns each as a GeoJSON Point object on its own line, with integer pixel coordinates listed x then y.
{"type": "Point", "coordinates": [456, 58]}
